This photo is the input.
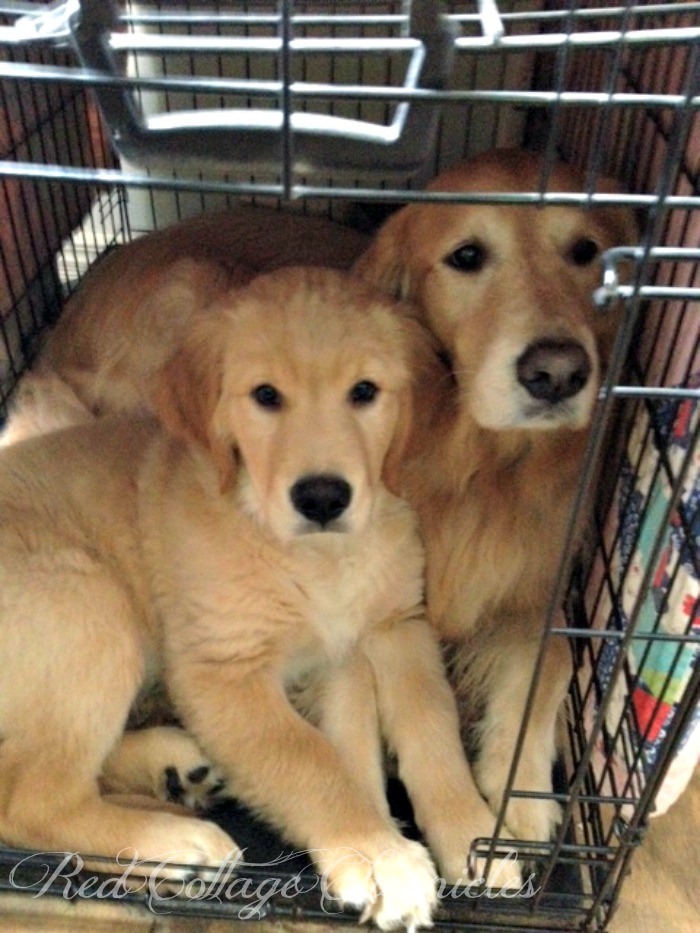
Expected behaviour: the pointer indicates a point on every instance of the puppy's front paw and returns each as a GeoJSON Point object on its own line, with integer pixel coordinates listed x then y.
{"type": "Point", "coordinates": [180, 849]}
{"type": "Point", "coordinates": [462, 862]}
{"type": "Point", "coordinates": [533, 820]}
{"type": "Point", "coordinates": [499, 873]}
{"type": "Point", "coordinates": [395, 888]}
{"type": "Point", "coordinates": [529, 819]}
{"type": "Point", "coordinates": [406, 880]}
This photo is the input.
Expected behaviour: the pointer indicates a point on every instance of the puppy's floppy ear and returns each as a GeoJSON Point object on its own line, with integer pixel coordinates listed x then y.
{"type": "Point", "coordinates": [423, 400]}
{"type": "Point", "coordinates": [186, 393]}
{"type": "Point", "coordinates": [400, 442]}
{"type": "Point", "coordinates": [382, 264]}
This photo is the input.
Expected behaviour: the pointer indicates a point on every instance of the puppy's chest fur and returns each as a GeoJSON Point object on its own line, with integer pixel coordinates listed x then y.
{"type": "Point", "coordinates": [226, 589]}
{"type": "Point", "coordinates": [353, 583]}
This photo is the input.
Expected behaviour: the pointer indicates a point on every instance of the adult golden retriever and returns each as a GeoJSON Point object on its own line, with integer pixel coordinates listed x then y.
{"type": "Point", "coordinates": [249, 551]}
{"type": "Point", "coordinates": [508, 292]}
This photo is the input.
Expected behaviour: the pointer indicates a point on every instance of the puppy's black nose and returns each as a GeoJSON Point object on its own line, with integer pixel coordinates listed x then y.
{"type": "Point", "coordinates": [553, 370]}
{"type": "Point", "coordinates": [321, 497]}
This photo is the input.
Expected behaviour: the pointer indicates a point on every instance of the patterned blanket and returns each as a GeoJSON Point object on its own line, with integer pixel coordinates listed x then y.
{"type": "Point", "coordinates": [655, 572]}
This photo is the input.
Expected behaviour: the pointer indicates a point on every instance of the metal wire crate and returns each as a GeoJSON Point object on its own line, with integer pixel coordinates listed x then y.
{"type": "Point", "coordinates": [315, 107]}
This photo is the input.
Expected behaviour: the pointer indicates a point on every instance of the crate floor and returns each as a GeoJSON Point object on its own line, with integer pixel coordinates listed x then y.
{"type": "Point", "coordinates": [661, 893]}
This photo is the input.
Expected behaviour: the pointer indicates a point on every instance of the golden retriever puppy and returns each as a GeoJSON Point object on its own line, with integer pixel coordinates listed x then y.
{"type": "Point", "coordinates": [507, 290]}
{"type": "Point", "coordinates": [249, 551]}
{"type": "Point", "coordinates": [132, 308]}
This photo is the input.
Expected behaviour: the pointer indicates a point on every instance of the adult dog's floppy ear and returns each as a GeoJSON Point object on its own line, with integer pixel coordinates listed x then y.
{"type": "Point", "coordinates": [186, 392]}
{"type": "Point", "coordinates": [622, 221]}
{"type": "Point", "coordinates": [382, 264]}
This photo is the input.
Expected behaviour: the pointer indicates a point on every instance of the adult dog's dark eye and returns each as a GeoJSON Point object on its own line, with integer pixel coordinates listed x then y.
{"type": "Point", "coordinates": [584, 251]}
{"type": "Point", "coordinates": [364, 392]}
{"type": "Point", "coordinates": [470, 257]}
{"type": "Point", "coordinates": [267, 396]}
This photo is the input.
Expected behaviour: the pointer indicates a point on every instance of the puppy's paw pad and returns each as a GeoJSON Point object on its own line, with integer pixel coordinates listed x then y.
{"type": "Point", "coordinates": [199, 787]}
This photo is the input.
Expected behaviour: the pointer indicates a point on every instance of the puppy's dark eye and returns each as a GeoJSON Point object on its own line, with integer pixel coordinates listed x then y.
{"type": "Point", "coordinates": [469, 257]}
{"type": "Point", "coordinates": [584, 251]}
{"type": "Point", "coordinates": [364, 392]}
{"type": "Point", "coordinates": [267, 396]}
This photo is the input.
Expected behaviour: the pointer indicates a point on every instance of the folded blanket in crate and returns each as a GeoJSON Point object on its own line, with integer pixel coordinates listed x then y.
{"type": "Point", "coordinates": [654, 570]}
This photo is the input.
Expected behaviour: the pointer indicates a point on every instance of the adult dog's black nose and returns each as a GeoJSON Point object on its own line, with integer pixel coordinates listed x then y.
{"type": "Point", "coordinates": [321, 497]}
{"type": "Point", "coordinates": [554, 370]}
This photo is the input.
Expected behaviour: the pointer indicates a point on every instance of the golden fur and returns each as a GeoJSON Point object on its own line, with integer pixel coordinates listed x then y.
{"type": "Point", "coordinates": [496, 476]}
{"type": "Point", "coordinates": [491, 474]}
{"type": "Point", "coordinates": [135, 303]}
{"type": "Point", "coordinates": [130, 552]}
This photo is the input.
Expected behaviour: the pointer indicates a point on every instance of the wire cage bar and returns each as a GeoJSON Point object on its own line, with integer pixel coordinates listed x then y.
{"type": "Point", "coordinates": [119, 118]}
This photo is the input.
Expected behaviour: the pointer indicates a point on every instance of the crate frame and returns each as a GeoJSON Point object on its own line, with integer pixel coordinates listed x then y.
{"type": "Point", "coordinates": [610, 833]}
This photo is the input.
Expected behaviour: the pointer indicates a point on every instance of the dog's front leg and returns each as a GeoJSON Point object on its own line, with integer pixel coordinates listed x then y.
{"type": "Point", "coordinates": [350, 718]}
{"type": "Point", "coordinates": [419, 717]}
{"type": "Point", "coordinates": [506, 690]}
{"type": "Point", "coordinates": [289, 772]}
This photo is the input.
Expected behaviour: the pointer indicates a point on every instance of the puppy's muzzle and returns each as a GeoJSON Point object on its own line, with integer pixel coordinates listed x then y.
{"type": "Point", "coordinates": [553, 371]}
{"type": "Point", "coordinates": [321, 498]}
